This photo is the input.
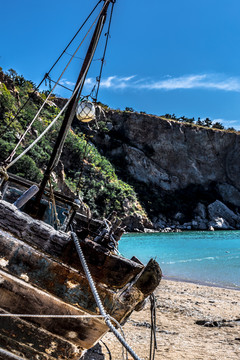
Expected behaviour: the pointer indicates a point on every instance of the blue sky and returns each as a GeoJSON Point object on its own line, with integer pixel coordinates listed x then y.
{"type": "Point", "coordinates": [172, 56]}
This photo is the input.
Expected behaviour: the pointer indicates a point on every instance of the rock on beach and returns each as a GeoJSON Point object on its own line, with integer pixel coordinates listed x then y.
{"type": "Point", "coordinates": [194, 322]}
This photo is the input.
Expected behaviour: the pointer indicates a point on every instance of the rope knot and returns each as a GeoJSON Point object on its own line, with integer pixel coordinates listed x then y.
{"type": "Point", "coordinates": [3, 173]}
{"type": "Point", "coordinates": [107, 318]}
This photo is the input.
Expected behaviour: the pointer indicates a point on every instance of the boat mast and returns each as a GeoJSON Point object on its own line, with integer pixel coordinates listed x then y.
{"type": "Point", "coordinates": [70, 112]}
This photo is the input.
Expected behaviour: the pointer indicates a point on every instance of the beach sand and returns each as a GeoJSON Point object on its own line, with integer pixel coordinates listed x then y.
{"type": "Point", "coordinates": [179, 306]}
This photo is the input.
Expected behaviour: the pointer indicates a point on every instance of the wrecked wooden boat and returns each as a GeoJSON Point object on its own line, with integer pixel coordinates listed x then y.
{"type": "Point", "coordinates": [40, 274]}
{"type": "Point", "coordinates": [61, 288]}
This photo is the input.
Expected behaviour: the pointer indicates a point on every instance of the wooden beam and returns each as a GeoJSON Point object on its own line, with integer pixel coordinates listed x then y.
{"type": "Point", "coordinates": [7, 355]}
{"type": "Point", "coordinates": [107, 268]}
{"type": "Point", "coordinates": [36, 268]}
{"type": "Point", "coordinates": [20, 336]}
{"type": "Point", "coordinates": [17, 296]}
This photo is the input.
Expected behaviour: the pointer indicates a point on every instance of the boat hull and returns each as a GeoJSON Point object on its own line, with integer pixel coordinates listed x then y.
{"type": "Point", "coordinates": [40, 274]}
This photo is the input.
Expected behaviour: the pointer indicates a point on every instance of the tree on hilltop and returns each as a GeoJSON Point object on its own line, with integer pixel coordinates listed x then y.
{"type": "Point", "coordinates": [207, 122]}
{"type": "Point", "coordinates": [218, 125]}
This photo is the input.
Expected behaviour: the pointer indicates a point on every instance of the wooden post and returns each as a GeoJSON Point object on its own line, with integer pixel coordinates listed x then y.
{"type": "Point", "coordinates": [27, 195]}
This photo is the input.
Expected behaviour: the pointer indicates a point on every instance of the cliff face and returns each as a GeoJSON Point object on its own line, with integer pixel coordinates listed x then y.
{"type": "Point", "coordinates": [174, 155]}
{"type": "Point", "coordinates": [173, 166]}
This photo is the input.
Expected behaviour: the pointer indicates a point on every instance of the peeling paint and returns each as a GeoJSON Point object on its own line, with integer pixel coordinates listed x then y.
{"type": "Point", "coordinates": [72, 284]}
{"type": "Point", "coordinates": [3, 262]}
{"type": "Point", "coordinates": [72, 334]}
{"type": "Point", "coordinates": [52, 348]}
{"type": "Point", "coordinates": [24, 277]}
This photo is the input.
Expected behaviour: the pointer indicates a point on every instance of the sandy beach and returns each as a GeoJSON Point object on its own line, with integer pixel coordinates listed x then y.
{"type": "Point", "coordinates": [179, 306]}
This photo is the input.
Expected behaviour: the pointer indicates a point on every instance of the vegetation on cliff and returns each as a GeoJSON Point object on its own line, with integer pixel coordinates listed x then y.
{"type": "Point", "coordinates": [84, 167]}
{"type": "Point", "coordinates": [174, 165]}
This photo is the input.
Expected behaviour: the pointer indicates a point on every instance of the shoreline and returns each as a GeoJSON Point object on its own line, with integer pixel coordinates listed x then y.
{"type": "Point", "coordinates": [154, 231]}
{"type": "Point", "coordinates": [198, 282]}
{"type": "Point", "coordinates": [218, 252]}
{"type": "Point", "coordinates": [194, 321]}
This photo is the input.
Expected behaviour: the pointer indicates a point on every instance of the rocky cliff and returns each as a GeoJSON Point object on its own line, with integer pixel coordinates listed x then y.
{"type": "Point", "coordinates": [176, 168]}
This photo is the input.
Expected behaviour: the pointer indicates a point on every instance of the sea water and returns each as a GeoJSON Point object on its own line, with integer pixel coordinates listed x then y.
{"type": "Point", "coordinates": [200, 256]}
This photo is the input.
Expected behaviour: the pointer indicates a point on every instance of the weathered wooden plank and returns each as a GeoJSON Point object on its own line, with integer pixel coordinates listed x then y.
{"type": "Point", "coordinates": [24, 183]}
{"type": "Point", "coordinates": [107, 268]}
{"type": "Point", "coordinates": [40, 340]}
{"type": "Point", "coordinates": [7, 355]}
{"type": "Point", "coordinates": [35, 267]}
{"type": "Point", "coordinates": [17, 296]}
{"type": "Point", "coordinates": [150, 278]}
{"type": "Point", "coordinates": [17, 350]}
{"type": "Point", "coordinates": [111, 269]}
{"type": "Point", "coordinates": [134, 294]}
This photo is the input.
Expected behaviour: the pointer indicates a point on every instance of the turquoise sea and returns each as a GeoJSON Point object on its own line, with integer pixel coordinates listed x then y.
{"type": "Point", "coordinates": [199, 256]}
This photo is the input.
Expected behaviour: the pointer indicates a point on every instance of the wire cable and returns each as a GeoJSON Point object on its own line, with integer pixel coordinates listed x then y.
{"type": "Point", "coordinates": [97, 298]}
{"type": "Point", "coordinates": [9, 159]}
{"type": "Point", "coordinates": [153, 340]}
{"type": "Point", "coordinates": [104, 52]}
{"type": "Point", "coordinates": [47, 74]}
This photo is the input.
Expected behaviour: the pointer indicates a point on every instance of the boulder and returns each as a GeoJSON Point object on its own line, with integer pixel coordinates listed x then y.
{"type": "Point", "coordinates": [220, 224]}
{"type": "Point", "coordinates": [179, 216]}
{"type": "Point", "coordinates": [194, 224]}
{"type": "Point", "coordinates": [220, 210]}
{"type": "Point", "coordinates": [200, 211]}
{"type": "Point", "coordinates": [200, 224]}
{"type": "Point", "coordinates": [229, 194]}
{"type": "Point", "coordinates": [203, 225]}
{"type": "Point", "coordinates": [136, 223]}
{"type": "Point", "coordinates": [167, 229]}
{"type": "Point", "coordinates": [160, 222]}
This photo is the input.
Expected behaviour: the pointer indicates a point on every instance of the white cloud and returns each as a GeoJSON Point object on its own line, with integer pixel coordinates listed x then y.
{"type": "Point", "coordinates": [228, 123]}
{"type": "Point", "coordinates": [201, 81]}
{"type": "Point", "coordinates": [112, 82]}
{"type": "Point", "coordinates": [66, 82]}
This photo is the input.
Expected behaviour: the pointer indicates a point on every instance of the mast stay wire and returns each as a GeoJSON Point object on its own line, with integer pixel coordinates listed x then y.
{"type": "Point", "coordinates": [105, 50]}
{"type": "Point", "coordinates": [12, 162]}
{"type": "Point", "coordinates": [47, 74]}
{"type": "Point", "coordinates": [82, 81]}
{"type": "Point", "coordinates": [78, 57]}
{"type": "Point", "coordinates": [65, 87]}
{"type": "Point", "coordinates": [9, 162]}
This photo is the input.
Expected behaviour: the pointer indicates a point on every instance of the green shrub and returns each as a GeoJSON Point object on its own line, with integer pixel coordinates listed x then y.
{"type": "Point", "coordinates": [99, 185]}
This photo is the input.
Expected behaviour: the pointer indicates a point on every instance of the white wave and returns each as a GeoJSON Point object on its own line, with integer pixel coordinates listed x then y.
{"type": "Point", "coordinates": [189, 260]}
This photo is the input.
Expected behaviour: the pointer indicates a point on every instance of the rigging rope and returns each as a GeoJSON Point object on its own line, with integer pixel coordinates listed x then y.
{"type": "Point", "coordinates": [78, 57]}
{"type": "Point", "coordinates": [54, 207]}
{"type": "Point", "coordinates": [153, 340]}
{"type": "Point", "coordinates": [47, 74]}
{"type": "Point", "coordinates": [108, 350]}
{"type": "Point", "coordinates": [78, 187]}
{"type": "Point", "coordinates": [104, 52]}
{"type": "Point", "coordinates": [65, 87]}
{"type": "Point", "coordinates": [97, 298]}
{"type": "Point", "coordinates": [51, 316]}
{"type": "Point", "coordinates": [9, 159]}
